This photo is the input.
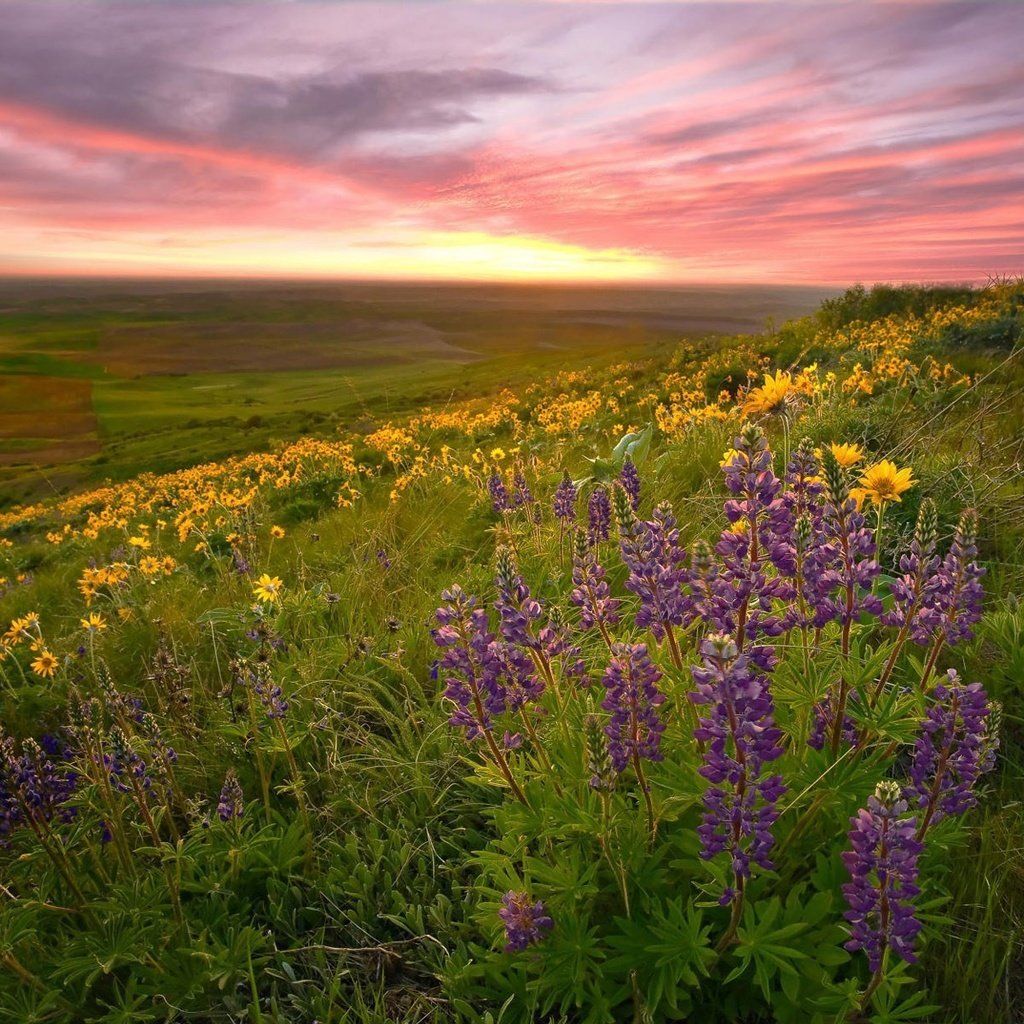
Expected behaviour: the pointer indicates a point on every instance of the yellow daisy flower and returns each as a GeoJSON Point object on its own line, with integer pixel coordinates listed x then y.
{"type": "Point", "coordinates": [277, 532]}
{"type": "Point", "coordinates": [268, 588]}
{"type": "Point", "coordinates": [847, 455]}
{"type": "Point", "coordinates": [885, 482]}
{"type": "Point", "coordinates": [94, 623]}
{"type": "Point", "coordinates": [773, 398]}
{"type": "Point", "coordinates": [45, 665]}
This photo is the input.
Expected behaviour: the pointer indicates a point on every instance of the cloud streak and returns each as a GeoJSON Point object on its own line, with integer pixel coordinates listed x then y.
{"type": "Point", "coordinates": [741, 141]}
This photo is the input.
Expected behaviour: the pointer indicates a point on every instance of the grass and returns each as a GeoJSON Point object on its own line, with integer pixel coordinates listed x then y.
{"type": "Point", "coordinates": [361, 883]}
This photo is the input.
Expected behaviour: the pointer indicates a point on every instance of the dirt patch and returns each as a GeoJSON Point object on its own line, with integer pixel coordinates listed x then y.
{"type": "Point", "coordinates": [50, 419]}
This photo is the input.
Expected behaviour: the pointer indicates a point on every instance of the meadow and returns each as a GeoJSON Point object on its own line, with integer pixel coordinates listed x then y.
{"type": "Point", "coordinates": [570, 667]}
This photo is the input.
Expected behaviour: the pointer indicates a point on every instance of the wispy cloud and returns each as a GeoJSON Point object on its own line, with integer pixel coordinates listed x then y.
{"type": "Point", "coordinates": [780, 141]}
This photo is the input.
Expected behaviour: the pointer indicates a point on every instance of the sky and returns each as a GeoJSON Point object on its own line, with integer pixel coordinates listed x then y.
{"type": "Point", "coordinates": [817, 143]}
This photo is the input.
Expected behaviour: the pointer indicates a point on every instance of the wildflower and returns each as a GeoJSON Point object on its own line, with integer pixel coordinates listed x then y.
{"type": "Point", "coordinates": [956, 592]}
{"type": "Point", "coordinates": [471, 673]}
{"type": "Point", "coordinates": [230, 804]}
{"type": "Point", "coordinates": [565, 500]}
{"type": "Point", "coordinates": [630, 480]}
{"type": "Point", "coordinates": [911, 591]}
{"type": "Point", "coordinates": [168, 565]}
{"type": "Point", "coordinates": [499, 494]}
{"type": "Point", "coordinates": [776, 397]}
{"type": "Point", "coordinates": [95, 623]}
{"type": "Point", "coordinates": [633, 698]}
{"type": "Point", "coordinates": [45, 665]}
{"type": "Point", "coordinates": [525, 922]}
{"type": "Point", "coordinates": [951, 752]}
{"type": "Point", "coordinates": [268, 588]}
{"type": "Point", "coordinates": [883, 870]}
{"type": "Point", "coordinates": [847, 455]}
{"type": "Point", "coordinates": [884, 482]}
{"type": "Point", "coordinates": [741, 736]}
{"type": "Point", "coordinates": [599, 516]}
{"type": "Point", "coordinates": [277, 532]}
{"type": "Point", "coordinates": [149, 566]}
{"type": "Point", "coordinates": [139, 542]}
{"type": "Point", "coordinates": [591, 592]}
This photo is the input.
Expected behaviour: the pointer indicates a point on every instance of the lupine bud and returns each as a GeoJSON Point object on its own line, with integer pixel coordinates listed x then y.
{"type": "Point", "coordinates": [837, 482]}
{"type": "Point", "coordinates": [623, 508]}
{"type": "Point", "coordinates": [802, 533]}
{"type": "Point", "coordinates": [602, 774]}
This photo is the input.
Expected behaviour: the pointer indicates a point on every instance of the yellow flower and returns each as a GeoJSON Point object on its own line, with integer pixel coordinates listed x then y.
{"type": "Point", "coordinates": [727, 457]}
{"type": "Point", "coordinates": [884, 482]}
{"type": "Point", "coordinates": [847, 455]}
{"type": "Point", "coordinates": [497, 454]}
{"type": "Point", "coordinates": [139, 542]}
{"type": "Point", "coordinates": [277, 531]}
{"type": "Point", "coordinates": [268, 588]}
{"type": "Point", "coordinates": [773, 398]}
{"type": "Point", "coordinates": [149, 566]}
{"type": "Point", "coordinates": [45, 665]}
{"type": "Point", "coordinates": [95, 622]}
{"type": "Point", "coordinates": [168, 565]}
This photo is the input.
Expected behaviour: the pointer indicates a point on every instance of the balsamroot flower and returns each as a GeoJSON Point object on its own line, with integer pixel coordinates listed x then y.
{"type": "Point", "coordinates": [739, 730]}
{"type": "Point", "coordinates": [777, 396]}
{"type": "Point", "coordinates": [633, 698]}
{"type": "Point", "coordinates": [884, 482]}
{"type": "Point", "coordinates": [883, 870]}
{"type": "Point", "coordinates": [526, 921]}
{"type": "Point", "coordinates": [952, 751]}
{"type": "Point", "coordinates": [230, 805]}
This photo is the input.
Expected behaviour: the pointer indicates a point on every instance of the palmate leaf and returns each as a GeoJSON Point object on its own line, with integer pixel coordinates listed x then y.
{"type": "Point", "coordinates": [668, 953]}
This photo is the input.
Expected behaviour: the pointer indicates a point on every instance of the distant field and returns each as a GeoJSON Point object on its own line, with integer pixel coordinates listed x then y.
{"type": "Point", "coordinates": [117, 377]}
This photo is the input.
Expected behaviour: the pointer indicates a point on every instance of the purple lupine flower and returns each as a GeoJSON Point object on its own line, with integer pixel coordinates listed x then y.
{"type": "Point", "coordinates": [521, 493]}
{"type": "Point", "coordinates": [630, 480]}
{"type": "Point", "coordinates": [230, 805]}
{"type": "Point", "coordinates": [912, 611]}
{"type": "Point", "coordinates": [739, 730]}
{"type": "Point", "coordinates": [951, 752]}
{"type": "Point", "coordinates": [883, 870]}
{"type": "Point", "coordinates": [526, 921]}
{"type": "Point", "coordinates": [240, 565]}
{"type": "Point", "coordinates": [565, 500]}
{"type": "Point", "coordinates": [957, 594]}
{"type": "Point", "coordinates": [856, 567]}
{"type": "Point", "coordinates": [516, 674]}
{"type": "Point", "coordinates": [557, 641]}
{"type": "Point", "coordinates": [383, 559]}
{"type": "Point", "coordinates": [33, 788]}
{"type": "Point", "coordinates": [468, 665]}
{"type": "Point", "coordinates": [633, 698]}
{"type": "Point", "coordinates": [591, 592]}
{"type": "Point", "coordinates": [824, 721]}
{"type": "Point", "coordinates": [500, 501]}
{"type": "Point", "coordinates": [271, 695]}
{"type": "Point", "coordinates": [519, 611]}
{"type": "Point", "coordinates": [599, 516]}
{"type": "Point", "coordinates": [759, 533]}
{"type": "Point", "coordinates": [813, 553]}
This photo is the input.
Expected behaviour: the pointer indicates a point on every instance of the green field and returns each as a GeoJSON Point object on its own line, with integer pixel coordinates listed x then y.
{"type": "Point", "coordinates": [175, 373]}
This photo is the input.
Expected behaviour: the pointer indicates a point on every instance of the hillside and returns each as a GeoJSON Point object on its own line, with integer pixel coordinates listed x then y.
{"type": "Point", "coordinates": [625, 686]}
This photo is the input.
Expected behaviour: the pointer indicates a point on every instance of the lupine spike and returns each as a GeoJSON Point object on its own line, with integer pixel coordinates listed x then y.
{"type": "Point", "coordinates": [926, 530]}
{"type": "Point", "coordinates": [623, 508]}
{"type": "Point", "coordinates": [599, 764]}
{"type": "Point", "coordinates": [837, 481]}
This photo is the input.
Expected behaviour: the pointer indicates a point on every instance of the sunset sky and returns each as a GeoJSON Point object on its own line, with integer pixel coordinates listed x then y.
{"type": "Point", "coordinates": [816, 143]}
